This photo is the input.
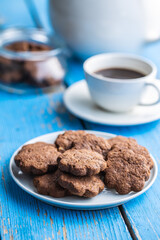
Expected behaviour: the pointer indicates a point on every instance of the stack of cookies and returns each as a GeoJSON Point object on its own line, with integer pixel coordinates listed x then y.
{"type": "Point", "coordinates": [25, 70]}
{"type": "Point", "coordinates": [81, 164]}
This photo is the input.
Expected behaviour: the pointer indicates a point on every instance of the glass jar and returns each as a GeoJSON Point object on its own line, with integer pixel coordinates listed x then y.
{"type": "Point", "coordinates": [30, 58]}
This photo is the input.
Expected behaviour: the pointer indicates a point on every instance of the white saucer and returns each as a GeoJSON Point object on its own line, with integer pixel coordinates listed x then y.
{"type": "Point", "coordinates": [78, 101]}
{"type": "Point", "coordinates": [106, 199]}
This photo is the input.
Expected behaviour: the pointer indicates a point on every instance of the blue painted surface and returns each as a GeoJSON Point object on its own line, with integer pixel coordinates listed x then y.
{"type": "Point", "coordinates": [25, 117]}
{"type": "Point", "coordinates": [24, 217]}
{"type": "Point", "coordinates": [15, 14]}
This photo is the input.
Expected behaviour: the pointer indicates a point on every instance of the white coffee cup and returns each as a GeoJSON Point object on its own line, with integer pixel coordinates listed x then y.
{"type": "Point", "coordinates": [119, 95]}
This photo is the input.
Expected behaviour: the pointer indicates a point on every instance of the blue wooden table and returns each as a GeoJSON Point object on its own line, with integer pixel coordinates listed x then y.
{"type": "Point", "coordinates": [25, 117]}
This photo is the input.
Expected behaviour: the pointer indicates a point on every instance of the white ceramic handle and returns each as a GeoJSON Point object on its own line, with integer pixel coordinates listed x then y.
{"type": "Point", "coordinates": [157, 101]}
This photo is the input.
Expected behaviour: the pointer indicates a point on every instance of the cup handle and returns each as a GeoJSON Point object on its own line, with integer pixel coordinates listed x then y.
{"type": "Point", "coordinates": [157, 101]}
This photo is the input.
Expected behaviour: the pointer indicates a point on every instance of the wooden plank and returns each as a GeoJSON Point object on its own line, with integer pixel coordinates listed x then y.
{"type": "Point", "coordinates": [75, 72]}
{"type": "Point", "coordinates": [24, 217]}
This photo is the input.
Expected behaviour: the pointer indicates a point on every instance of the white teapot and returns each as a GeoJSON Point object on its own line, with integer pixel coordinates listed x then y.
{"type": "Point", "coordinates": [94, 26]}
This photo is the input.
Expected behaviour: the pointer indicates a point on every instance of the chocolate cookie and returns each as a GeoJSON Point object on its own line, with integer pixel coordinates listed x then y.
{"type": "Point", "coordinates": [144, 152]}
{"type": "Point", "coordinates": [130, 143]}
{"type": "Point", "coordinates": [94, 143]}
{"type": "Point", "coordinates": [65, 141]}
{"type": "Point", "coordinates": [81, 162]}
{"type": "Point", "coordinates": [121, 140]}
{"type": "Point", "coordinates": [47, 185]}
{"type": "Point", "coordinates": [126, 170]}
{"type": "Point", "coordinates": [37, 158]}
{"type": "Point", "coordinates": [27, 46]}
{"type": "Point", "coordinates": [81, 186]}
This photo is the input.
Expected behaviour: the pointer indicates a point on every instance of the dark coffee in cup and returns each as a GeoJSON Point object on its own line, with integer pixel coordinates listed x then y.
{"type": "Point", "coordinates": [119, 73]}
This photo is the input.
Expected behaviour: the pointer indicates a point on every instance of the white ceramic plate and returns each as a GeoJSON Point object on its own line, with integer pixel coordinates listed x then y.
{"type": "Point", "coordinates": [106, 199]}
{"type": "Point", "coordinates": [78, 101]}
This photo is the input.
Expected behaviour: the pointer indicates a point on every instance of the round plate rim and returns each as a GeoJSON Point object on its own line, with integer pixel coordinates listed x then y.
{"type": "Point", "coordinates": [102, 122]}
{"type": "Point", "coordinates": [56, 202]}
